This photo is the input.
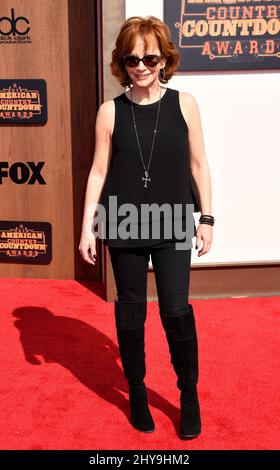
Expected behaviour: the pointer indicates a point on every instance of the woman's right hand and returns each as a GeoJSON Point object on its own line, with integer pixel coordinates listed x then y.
{"type": "Point", "coordinates": [87, 246]}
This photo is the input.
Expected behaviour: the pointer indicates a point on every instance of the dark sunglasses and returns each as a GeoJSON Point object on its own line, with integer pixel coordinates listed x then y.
{"type": "Point", "coordinates": [149, 60]}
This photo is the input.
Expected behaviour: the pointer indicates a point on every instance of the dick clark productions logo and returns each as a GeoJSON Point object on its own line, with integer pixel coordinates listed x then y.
{"type": "Point", "coordinates": [12, 22]}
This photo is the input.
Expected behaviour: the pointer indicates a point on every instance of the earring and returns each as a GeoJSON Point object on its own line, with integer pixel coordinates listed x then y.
{"type": "Point", "coordinates": [127, 78]}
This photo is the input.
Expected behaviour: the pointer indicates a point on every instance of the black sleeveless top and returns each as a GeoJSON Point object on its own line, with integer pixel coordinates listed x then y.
{"type": "Point", "coordinates": [169, 168]}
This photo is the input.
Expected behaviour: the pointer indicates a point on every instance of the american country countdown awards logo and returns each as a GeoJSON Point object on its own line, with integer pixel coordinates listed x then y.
{"type": "Point", "coordinates": [225, 34]}
{"type": "Point", "coordinates": [23, 101]}
{"type": "Point", "coordinates": [25, 242]}
{"type": "Point", "coordinates": [14, 29]}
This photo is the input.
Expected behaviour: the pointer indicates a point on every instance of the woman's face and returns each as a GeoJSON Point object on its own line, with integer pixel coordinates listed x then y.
{"type": "Point", "coordinates": [142, 75]}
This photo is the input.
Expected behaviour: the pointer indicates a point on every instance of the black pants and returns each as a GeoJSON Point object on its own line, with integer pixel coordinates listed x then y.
{"type": "Point", "coordinates": [172, 269]}
{"type": "Point", "coordinates": [172, 274]}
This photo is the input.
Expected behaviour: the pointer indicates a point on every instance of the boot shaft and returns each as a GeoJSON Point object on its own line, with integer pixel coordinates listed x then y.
{"type": "Point", "coordinates": [130, 326]}
{"type": "Point", "coordinates": [183, 346]}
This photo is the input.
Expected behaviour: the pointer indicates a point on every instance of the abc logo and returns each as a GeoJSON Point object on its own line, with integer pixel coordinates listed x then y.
{"type": "Point", "coordinates": [12, 24]}
{"type": "Point", "coordinates": [21, 173]}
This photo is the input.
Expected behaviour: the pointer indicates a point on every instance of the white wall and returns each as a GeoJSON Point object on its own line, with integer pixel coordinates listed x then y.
{"type": "Point", "coordinates": [241, 126]}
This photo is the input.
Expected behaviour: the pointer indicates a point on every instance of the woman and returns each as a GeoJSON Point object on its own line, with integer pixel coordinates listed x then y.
{"type": "Point", "coordinates": [160, 122]}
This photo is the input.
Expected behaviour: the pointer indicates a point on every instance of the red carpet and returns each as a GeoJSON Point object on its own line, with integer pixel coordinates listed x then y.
{"type": "Point", "coordinates": [62, 386]}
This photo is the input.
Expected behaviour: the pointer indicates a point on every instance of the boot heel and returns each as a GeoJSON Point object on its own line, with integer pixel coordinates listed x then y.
{"type": "Point", "coordinates": [190, 422]}
{"type": "Point", "coordinates": [141, 417]}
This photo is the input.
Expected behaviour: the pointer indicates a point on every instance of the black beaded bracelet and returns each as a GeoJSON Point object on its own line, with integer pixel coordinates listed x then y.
{"type": "Point", "coordinates": [206, 222]}
{"type": "Point", "coordinates": [207, 219]}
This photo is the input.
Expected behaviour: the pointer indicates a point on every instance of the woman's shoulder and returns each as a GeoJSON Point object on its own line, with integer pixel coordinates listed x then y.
{"type": "Point", "coordinates": [110, 105]}
{"type": "Point", "coordinates": [189, 106]}
{"type": "Point", "coordinates": [107, 109]}
{"type": "Point", "coordinates": [106, 105]}
{"type": "Point", "coordinates": [186, 96]}
{"type": "Point", "coordinates": [106, 114]}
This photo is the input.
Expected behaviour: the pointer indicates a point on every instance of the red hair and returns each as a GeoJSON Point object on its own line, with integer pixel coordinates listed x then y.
{"type": "Point", "coordinates": [147, 27]}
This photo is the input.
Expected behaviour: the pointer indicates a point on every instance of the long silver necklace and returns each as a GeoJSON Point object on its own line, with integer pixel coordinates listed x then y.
{"type": "Point", "coordinates": [146, 170]}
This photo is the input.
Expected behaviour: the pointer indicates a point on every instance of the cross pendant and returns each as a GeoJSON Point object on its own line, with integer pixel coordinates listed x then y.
{"type": "Point", "coordinates": [146, 179]}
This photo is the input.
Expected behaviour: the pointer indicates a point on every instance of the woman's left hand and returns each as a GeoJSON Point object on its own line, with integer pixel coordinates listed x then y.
{"type": "Point", "coordinates": [204, 234]}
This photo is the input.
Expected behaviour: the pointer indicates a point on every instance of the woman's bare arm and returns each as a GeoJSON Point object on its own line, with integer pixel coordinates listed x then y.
{"type": "Point", "coordinates": [198, 162]}
{"type": "Point", "coordinates": [199, 166]}
{"type": "Point", "coordinates": [101, 160]}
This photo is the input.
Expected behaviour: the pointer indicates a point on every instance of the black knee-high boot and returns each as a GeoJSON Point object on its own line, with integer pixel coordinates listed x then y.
{"type": "Point", "coordinates": [130, 325]}
{"type": "Point", "coordinates": [182, 341]}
